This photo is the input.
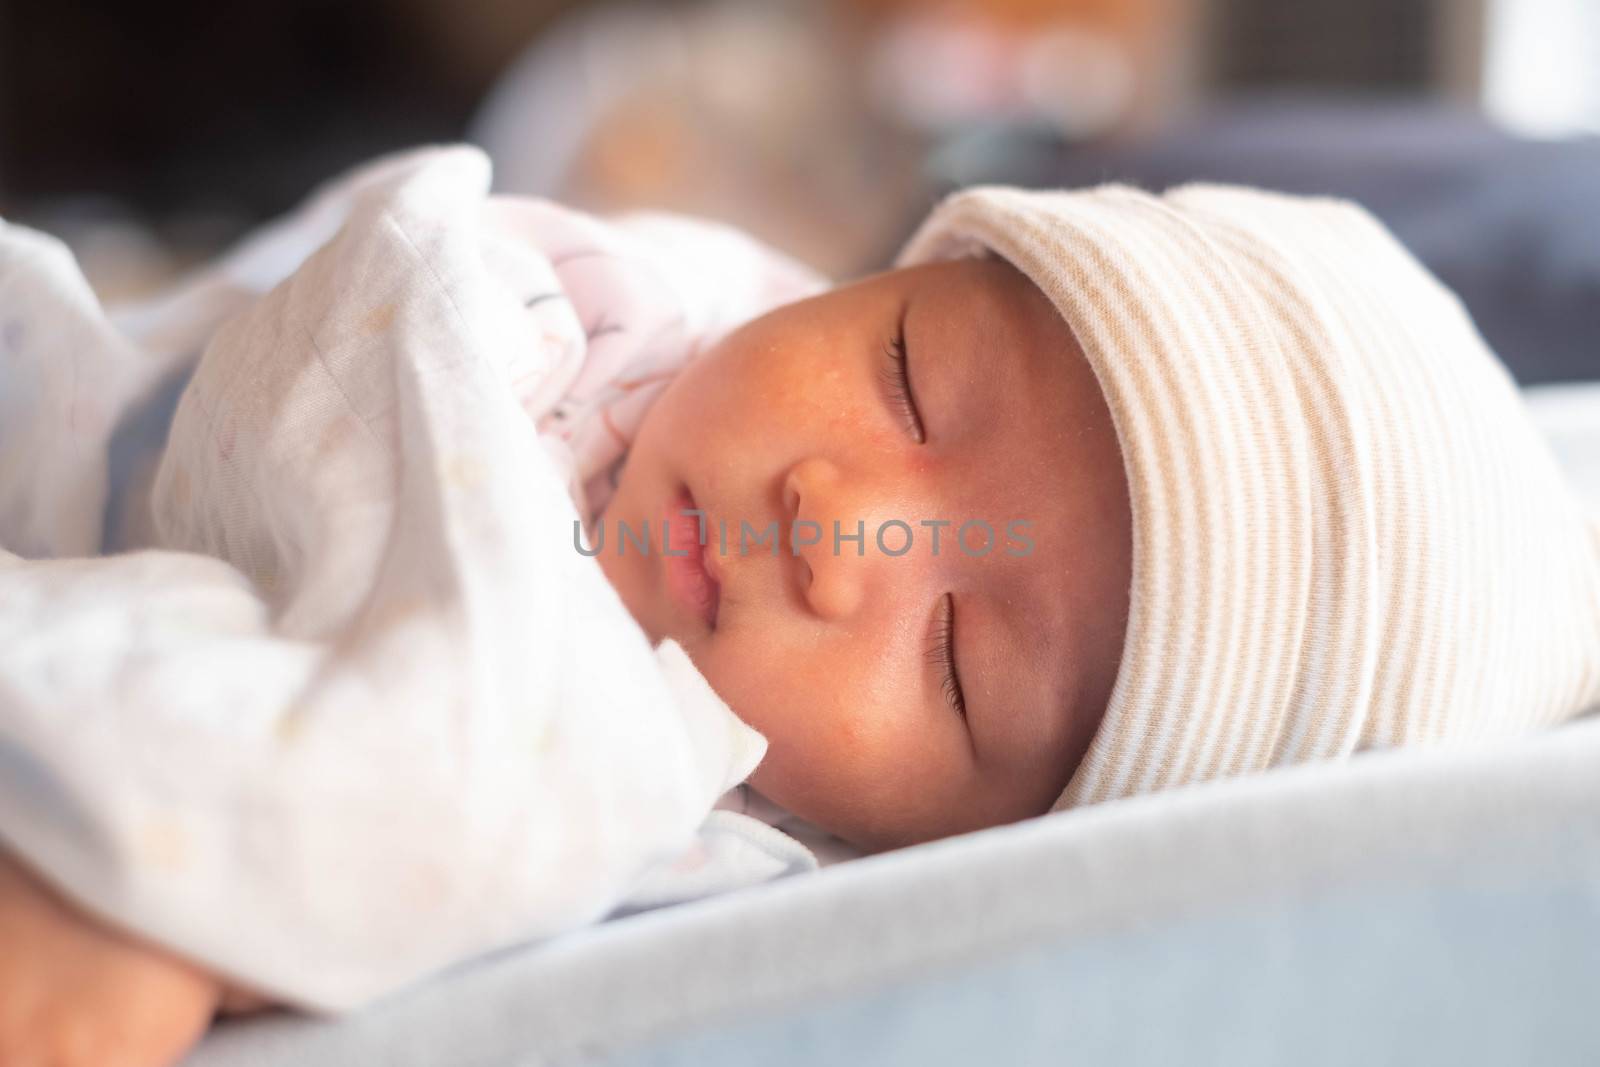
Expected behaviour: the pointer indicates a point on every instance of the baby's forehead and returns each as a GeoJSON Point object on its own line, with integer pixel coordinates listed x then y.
{"type": "Point", "coordinates": [980, 282]}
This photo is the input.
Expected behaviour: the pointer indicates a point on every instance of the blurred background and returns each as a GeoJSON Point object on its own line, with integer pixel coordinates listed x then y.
{"type": "Point", "coordinates": [149, 136]}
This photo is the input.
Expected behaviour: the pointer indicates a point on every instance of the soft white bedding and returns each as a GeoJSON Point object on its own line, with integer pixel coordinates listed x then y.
{"type": "Point", "coordinates": [356, 711]}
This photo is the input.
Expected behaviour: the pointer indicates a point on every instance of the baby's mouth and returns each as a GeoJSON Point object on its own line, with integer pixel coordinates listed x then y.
{"type": "Point", "coordinates": [690, 572]}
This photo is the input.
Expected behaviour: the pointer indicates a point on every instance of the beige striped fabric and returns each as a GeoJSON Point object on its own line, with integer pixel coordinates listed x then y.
{"type": "Point", "coordinates": [1347, 532]}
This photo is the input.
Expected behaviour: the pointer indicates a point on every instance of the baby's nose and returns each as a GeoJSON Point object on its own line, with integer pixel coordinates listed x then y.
{"type": "Point", "coordinates": [822, 538]}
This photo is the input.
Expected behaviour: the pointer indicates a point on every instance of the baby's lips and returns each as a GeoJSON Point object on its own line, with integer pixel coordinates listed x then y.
{"type": "Point", "coordinates": [686, 551]}
{"type": "Point", "coordinates": [712, 555]}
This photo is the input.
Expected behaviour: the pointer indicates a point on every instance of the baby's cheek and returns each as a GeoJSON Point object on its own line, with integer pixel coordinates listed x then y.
{"type": "Point", "coordinates": [800, 389]}
{"type": "Point", "coordinates": [843, 760]}
{"type": "Point", "coordinates": [860, 739]}
{"type": "Point", "coordinates": [818, 718]}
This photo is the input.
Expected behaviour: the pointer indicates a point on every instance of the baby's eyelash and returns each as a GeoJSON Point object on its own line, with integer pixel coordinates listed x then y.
{"type": "Point", "coordinates": [896, 376]}
{"type": "Point", "coordinates": [942, 651]}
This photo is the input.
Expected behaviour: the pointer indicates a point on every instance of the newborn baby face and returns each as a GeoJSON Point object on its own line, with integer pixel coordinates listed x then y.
{"type": "Point", "coordinates": [907, 691]}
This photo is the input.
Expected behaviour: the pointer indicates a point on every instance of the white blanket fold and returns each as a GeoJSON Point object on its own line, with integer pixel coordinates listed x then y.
{"type": "Point", "coordinates": [363, 711]}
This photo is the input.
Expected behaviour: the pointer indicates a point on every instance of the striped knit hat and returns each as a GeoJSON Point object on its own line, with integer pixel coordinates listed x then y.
{"type": "Point", "coordinates": [1346, 531]}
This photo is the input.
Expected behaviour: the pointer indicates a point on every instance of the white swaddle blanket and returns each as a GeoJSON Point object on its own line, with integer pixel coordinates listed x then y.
{"type": "Point", "coordinates": [359, 709]}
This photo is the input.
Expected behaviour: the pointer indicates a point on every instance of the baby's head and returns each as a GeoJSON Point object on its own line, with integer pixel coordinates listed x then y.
{"type": "Point", "coordinates": [907, 691]}
{"type": "Point", "coordinates": [1150, 490]}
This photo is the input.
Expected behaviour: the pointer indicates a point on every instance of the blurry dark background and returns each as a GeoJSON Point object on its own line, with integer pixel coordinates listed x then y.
{"type": "Point", "coordinates": [244, 105]}
{"type": "Point", "coordinates": [148, 136]}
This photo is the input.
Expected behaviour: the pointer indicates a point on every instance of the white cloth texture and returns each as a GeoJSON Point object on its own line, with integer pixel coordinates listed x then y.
{"type": "Point", "coordinates": [345, 706]}
{"type": "Point", "coordinates": [1347, 533]}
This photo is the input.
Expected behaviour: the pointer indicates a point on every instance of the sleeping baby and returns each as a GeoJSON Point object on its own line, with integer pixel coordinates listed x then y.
{"type": "Point", "coordinates": [440, 570]}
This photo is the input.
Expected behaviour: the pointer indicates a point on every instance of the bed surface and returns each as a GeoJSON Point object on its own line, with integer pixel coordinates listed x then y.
{"type": "Point", "coordinates": [1401, 909]}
